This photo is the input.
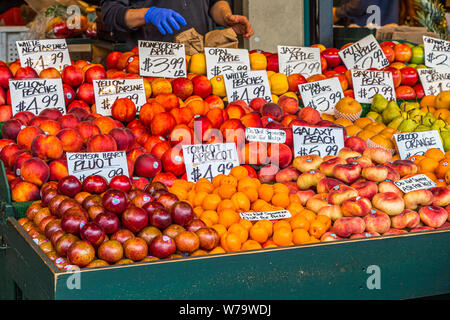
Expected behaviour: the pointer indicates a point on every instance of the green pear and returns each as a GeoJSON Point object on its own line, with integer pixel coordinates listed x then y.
{"type": "Point", "coordinates": [394, 124]}
{"type": "Point", "coordinates": [407, 125]}
{"type": "Point", "coordinates": [391, 112]}
{"type": "Point", "coordinates": [416, 115]}
{"type": "Point", "coordinates": [409, 106]}
{"type": "Point", "coordinates": [438, 124]}
{"type": "Point", "coordinates": [428, 119]}
{"type": "Point", "coordinates": [379, 103]}
{"type": "Point", "coordinates": [422, 127]}
{"type": "Point", "coordinates": [373, 115]}
{"type": "Point", "coordinates": [445, 137]}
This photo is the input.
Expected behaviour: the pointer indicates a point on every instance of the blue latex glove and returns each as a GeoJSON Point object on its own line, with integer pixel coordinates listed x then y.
{"type": "Point", "coordinates": [164, 19]}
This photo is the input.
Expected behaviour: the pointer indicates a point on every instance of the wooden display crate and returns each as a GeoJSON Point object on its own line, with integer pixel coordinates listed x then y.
{"type": "Point", "coordinates": [408, 265]}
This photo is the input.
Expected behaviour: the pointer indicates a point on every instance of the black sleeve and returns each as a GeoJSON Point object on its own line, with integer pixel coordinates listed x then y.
{"type": "Point", "coordinates": [113, 14]}
{"type": "Point", "coordinates": [352, 8]}
{"type": "Point", "coordinates": [6, 5]}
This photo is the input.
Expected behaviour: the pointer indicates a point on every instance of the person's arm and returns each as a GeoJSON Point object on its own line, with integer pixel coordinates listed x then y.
{"type": "Point", "coordinates": [221, 13]}
{"type": "Point", "coordinates": [119, 15]}
{"type": "Point", "coordinates": [135, 18]}
{"type": "Point", "coordinates": [114, 15]}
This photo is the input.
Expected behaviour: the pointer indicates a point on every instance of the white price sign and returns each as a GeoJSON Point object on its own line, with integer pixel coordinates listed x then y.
{"type": "Point", "coordinates": [247, 86]}
{"type": "Point", "coordinates": [305, 61]}
{"type": "Point", "coordinates": [162, 59]}
{"type": "Point", "coordinates": [44, 54]}
{"type": "Point", "coordinates": [322, 141]}
{"type": "Point", "coordinates": [106, 92]}
{"type": "Point", "coordinates": [209, 160]}
{"type": "Point", "coordinates": [106, 164]}
{"type": "Point", "coordinates": [418, 182]}
{"type": "Point", "coordinates": [265, 135]}
{"type": "Point", "coordinates": [437, 52]}
{"type": "Point", "coordinates": [35, 95]}
{"type": "Point", "coordinates": [364, 54]}
{"type": "Point", "coordinates": [268, 215]}
{"type": "Point", "coordinates": [435, 81]}
{"type": "Point", "coordinates": [322, 95]}
{"type": "Point", "coordinates": [222, 60]}
{"type": "Point", "coordinates": [417, 143]}
{"type": "Point", "coordinates": [368, 83]}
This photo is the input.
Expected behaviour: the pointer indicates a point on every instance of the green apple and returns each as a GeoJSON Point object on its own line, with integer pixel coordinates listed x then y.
{"type": "Point", "coordinates": [418, 56]}
{"type": "Point", "coordinates": [421, 66]}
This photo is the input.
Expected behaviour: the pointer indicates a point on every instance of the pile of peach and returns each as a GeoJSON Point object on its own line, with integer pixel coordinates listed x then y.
{"type": "Point", "coordinates": [33, 148]}
{"type": "Point", "coordinates": [357, 192]}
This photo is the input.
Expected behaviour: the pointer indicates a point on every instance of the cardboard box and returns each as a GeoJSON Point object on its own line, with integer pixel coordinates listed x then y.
{"type": "Point", "coordinates": [405, 33]}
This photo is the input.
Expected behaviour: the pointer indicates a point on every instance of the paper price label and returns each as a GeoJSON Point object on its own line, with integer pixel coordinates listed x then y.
{"type": "Point", "coordinates": [106, 92]}
{"type": "Point", "coordinates": [162, 59]}
{"type": "Point", "coordinates": [265, 135]}
{"type": "Point", "coordinates": [247, 86]}
{"type": "Point", "coordinates": [35, 95]}
{"type": "Point", "coordinates": [367, 83]}
{"type": "Point", "coordinates": [418, 182]}
{"type": "Point", "coordinates": [105, 164]}
{"type": "Point", "coordinates": [364, 54]}
{"type": "Point", "coordinates": [305, 61]}
{"type": "Point", "coordinates": [417, 143]}
{"type": "Point", "coordinates": [437, 52]}
{"type": "Point", "coordinates": [269, 215]}
{"type": "Point", "coordinates": [44, 54]}
{"type": "Point", "coordinates": [434, 81]}
{"type": "Point", "coordinates": [322, 95]}
{"type": "Point", "coordinates": [223, 60]}
{"type": "Point", "coordinates": [209, 160]}
{"type": "Point", "coordinates": [322, 141]}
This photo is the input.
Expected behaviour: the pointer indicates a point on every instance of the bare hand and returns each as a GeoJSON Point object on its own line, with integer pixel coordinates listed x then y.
{"type": "Point", "coordinates": [240, 25]}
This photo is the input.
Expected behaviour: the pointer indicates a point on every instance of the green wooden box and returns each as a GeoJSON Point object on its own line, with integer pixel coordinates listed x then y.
{"type": "Point", "coordinates": [390, 267]}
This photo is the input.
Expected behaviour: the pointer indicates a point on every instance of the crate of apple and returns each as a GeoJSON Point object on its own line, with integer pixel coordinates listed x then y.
{"type": "Point", "coordinates": [95, 223]}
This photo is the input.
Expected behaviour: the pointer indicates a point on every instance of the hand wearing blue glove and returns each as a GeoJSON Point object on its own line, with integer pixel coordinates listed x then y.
{"type": "Point", "coordinates": [164, 19]}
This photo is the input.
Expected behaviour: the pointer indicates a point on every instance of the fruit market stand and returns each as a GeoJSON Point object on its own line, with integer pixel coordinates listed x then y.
{"type": "Point", "coordinates": [305, 173]}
